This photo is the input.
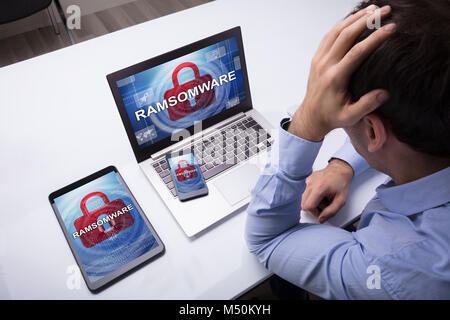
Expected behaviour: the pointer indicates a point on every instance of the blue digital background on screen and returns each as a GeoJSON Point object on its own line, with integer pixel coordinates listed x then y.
{"type": "Point", "coordinates": [148, 87]}
{"type": "Point", "coordinates": [116, 251]}
{"type": "Point", "coordinates": [189, 185]}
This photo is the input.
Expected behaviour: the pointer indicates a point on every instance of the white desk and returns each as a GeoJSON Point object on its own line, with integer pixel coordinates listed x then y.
{"type": "Point", "coordinates": [59, 122]}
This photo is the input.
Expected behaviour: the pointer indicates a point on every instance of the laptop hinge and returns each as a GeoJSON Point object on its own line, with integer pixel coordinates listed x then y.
{"type": "Point", "coordinates": [199, 135]}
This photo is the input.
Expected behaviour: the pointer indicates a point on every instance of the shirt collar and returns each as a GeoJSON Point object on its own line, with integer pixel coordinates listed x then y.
{"type": "Point", "coordinates": [416, 196]}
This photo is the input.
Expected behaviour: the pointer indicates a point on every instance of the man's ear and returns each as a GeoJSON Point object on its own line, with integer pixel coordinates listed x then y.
{"type": "Point", "coordinates": [375, 131]}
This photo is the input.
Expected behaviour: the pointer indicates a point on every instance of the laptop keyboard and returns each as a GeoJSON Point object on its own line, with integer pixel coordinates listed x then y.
{"type": "Point", "coordinates": [222, 150]}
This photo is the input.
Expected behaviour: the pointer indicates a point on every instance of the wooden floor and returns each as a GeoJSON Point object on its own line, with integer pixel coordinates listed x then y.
{"type": "Point", "coordinates": [43, 40]}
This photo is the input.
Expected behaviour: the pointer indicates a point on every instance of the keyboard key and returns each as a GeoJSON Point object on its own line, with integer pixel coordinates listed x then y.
{"type": "Point", "coordinates": [170, 185]}
{"type": "Point", "coordinates": [174, 192]}
{"type": "Point", "coordinates": [257, 127]}
{"type": "Point", "coordinates": [209, 166]}
{"type": "Point", "coordinates": [165, 166]}
{"type": "Point", "coordinates": [231, 159]}
{"type": "Point", "coordinates": [167, 179]}
{"type": "Point", "coordinates": [229, 155]}
{"type": "Point", "coordinates": [208, 149]}
{"type": "Point", "coordinates": [216, 170]}
{"type": "Point", "coordinates": [250, 124]}
{"type": "Point", "coordinates": [158, 169]}
{"type": "Point", "coordinates": [200, 161]}
{"type": "Point", "coordinates": [164, 173]}
{"type": "Point", "coordinates": [252, 151]}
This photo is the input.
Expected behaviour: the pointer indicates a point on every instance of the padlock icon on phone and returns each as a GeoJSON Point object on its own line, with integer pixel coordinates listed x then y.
{"type": "Point", "coordinates": [185, 173]}
{"type": "Point", "coordinates": [201, 86]}
{"type": "Point", "coordinates": [90, 226]}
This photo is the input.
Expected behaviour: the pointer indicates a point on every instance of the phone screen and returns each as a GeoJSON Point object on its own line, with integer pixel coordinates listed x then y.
{"type": "Point", "coordinates": [187, 176]}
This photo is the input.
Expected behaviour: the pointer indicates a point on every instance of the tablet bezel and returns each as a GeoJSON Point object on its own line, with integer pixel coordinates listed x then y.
{"type": "Point", "coordinates": [125, 269]}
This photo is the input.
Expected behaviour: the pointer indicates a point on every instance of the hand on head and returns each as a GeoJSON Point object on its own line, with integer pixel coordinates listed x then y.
{"type": "Point", "coordinates": [327, 104]}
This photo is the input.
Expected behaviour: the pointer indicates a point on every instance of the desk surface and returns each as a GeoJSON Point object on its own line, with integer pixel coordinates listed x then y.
{"type": "Point", "coordinates": [58, 122]}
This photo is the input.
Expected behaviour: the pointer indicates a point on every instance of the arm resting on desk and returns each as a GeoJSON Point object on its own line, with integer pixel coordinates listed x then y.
{"type": "Point", "coordinates": [321, 259]}
{"type": "Point", "coordinates": [348, 153]}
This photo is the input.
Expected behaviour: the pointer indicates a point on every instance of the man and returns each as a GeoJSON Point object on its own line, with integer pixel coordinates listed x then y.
{"type": "Point", "coordinates": [389, 89]}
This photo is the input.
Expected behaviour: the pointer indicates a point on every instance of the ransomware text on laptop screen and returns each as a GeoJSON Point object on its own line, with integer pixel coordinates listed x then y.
{"type": "Point", "coordinates": [175, 94]}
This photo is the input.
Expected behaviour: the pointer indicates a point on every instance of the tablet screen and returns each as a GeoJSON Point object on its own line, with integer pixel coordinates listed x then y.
{"type": "Point", "coordinates": [105, 225]}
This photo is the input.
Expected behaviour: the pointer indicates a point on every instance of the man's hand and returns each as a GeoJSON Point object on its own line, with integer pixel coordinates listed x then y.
{"type": "Point", "coordinates": [327, 104]}
{"type": "Point", "coordinates": [330, 185]}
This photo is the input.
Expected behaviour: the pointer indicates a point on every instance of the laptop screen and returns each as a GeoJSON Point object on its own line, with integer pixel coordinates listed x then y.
{"type": "Point", "coordinates": [174, 95]}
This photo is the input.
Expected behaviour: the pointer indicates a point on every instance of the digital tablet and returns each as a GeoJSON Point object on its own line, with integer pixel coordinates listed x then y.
{"type": "Point", "coordinates": [105, 227]}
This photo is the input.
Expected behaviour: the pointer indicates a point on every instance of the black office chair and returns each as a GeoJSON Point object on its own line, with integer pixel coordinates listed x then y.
{"type": "Point", "coordinates": [12, 10]}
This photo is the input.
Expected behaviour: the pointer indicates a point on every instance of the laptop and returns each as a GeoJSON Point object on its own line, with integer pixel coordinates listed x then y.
{"type": "Point", "coordinates": [196, 97]}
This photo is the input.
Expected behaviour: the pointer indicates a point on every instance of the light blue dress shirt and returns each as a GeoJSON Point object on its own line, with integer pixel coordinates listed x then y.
{"type": "Point", "coordinates": [401, 249]}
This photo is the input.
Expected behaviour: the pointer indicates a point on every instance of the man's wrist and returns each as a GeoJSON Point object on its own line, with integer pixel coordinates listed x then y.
{"type": "Point", "coordinates": [343, 165]}
{"type": "Point", "coordinates": [303, 126]}
{"type": "Point", "coordinates": [302, 152]}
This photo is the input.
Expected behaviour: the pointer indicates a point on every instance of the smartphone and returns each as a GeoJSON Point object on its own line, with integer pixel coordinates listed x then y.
{"type": "Point", "coordinates": [186, 175]}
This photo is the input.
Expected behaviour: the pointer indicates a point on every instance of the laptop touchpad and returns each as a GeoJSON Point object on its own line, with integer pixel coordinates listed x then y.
{"type": "Point", "coordinates": [237, 185]}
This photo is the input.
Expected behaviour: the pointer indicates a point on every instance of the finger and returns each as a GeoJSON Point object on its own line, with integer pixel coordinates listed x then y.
{"type": "Point", "coordinates": [305, 199]}
{"type": "Point", "coordinates": [348, 35]}
{"type": "Point", "coordinates": [311, 202]}
{"type": "Point", "coordinates": [329, 39]}
{"type": "Point", "coordinates": [332, 209]}
{"type": "Point", "coordinates": [351, 61]}
{"type": "Point", "coordinates": [365, 105]}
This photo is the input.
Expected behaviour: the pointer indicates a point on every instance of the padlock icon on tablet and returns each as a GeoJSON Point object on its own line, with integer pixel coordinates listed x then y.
{"type": "Point", "coordinates": [186, 172]}
{"type": "Point", "coordinates": [200, 86]}
{"type": "Point", "coordinates": [90, 226]}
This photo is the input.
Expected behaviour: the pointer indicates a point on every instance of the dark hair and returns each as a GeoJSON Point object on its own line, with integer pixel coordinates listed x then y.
{"type": "Point", "coordinates": [414, 66]}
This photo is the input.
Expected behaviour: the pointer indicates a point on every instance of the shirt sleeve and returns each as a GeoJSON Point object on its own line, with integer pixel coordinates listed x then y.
{"type": "Point", "coordinates": [322, 259]}
{"type": "Point", "coordinates": [348, 153]}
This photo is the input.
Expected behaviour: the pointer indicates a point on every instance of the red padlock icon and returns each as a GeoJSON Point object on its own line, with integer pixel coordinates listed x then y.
{"type": "Point", "coordinates": [185, 173]}
{"type": "Point", "coordinates": [202, 99]}
{"type": "Point", "coordinates": [117, 215]}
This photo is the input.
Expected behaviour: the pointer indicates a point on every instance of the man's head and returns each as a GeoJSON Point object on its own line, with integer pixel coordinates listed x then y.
{"type": "Point", "coordinates": [413, 65]}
